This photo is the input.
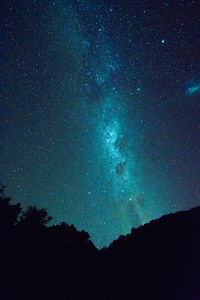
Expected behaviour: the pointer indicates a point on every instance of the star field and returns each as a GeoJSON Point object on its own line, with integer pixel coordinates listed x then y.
{"type": "Point", "coordinates": [100, 110]}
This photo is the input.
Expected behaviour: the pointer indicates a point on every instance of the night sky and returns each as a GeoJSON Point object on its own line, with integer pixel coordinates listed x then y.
{"type": "Point", "coordinates": [100, 104]}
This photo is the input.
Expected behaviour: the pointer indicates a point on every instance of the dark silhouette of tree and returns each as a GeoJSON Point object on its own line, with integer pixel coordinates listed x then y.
{"type": "Point", "coordinates": [69, 238]}
{"type": "Point", "coordinates": [34, 217]}
{"type": "Point", "coordinates": [9, 213]}
{"type": "Point", "coordinates": [159, 260]}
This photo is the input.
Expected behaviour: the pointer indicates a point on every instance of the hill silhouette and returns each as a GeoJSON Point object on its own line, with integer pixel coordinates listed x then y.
{"type": "Point", "coordinates": [159, 260]}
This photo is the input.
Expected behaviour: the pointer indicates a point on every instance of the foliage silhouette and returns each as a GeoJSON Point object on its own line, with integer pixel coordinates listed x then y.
{"type": "Point", "coordinates": [159, 260]}
{"type": "Point", "coordinates": [8, 213]}
{"type": "Point", "coordinates": [35, 217]}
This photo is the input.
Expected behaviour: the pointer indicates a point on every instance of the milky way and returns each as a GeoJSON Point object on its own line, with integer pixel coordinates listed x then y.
{"type": "Point", "coordinates": [100, 110]}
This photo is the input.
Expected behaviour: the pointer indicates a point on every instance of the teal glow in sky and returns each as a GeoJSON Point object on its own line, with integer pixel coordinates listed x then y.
{"type": "Point", "coordinates": [193, 90]}
{"type": "Point", "coordinates": [96, 124]}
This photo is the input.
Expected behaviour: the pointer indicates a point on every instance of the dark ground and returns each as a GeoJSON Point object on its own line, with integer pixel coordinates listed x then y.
{"type": "Point", "coordinates": [159, 260]}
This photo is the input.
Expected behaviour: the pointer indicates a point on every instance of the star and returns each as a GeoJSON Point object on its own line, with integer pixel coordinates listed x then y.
{"type": "Point", "coordinates": [100, 112]}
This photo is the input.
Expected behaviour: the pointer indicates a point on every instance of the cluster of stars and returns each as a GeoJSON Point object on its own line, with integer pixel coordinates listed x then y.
{"type": "Point", "coordinates": [100, 110]}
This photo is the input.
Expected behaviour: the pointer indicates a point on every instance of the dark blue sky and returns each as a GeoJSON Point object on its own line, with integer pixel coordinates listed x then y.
{"type": "Point", "coordinates": [100, 110]}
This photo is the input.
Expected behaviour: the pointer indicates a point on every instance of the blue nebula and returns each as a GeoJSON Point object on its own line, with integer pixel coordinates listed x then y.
{"type": "Point", "coordinates": [193, 90]}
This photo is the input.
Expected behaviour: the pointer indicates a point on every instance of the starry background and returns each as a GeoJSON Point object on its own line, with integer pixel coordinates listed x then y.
{"type": "Point", "coordinates": [100, 110]}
